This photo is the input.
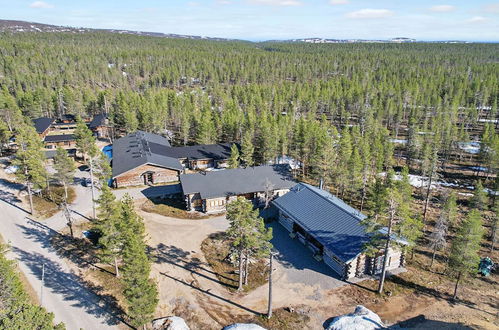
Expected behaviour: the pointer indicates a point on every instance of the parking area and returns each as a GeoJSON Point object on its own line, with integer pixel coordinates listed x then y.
{"type": "Point", "coordinates": [297, 263]}
{"type": "Point", "coordinates": [149, 192]}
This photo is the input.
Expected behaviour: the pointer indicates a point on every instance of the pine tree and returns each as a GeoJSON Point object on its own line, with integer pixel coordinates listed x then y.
{"type": "Point", "coordinates": [248, 234]}
{"type": "Point", "coordinates": [64, 170]}
{"type": "Point", "coordinates": [464, 258]}
{"type": "Point", "coordinates": [30, 160]}
{"type": "Point", "coordinates": [110, 228]}
{"type": "Point", "coordinates": [140, 291]}
{"type": "Point", "coordinates": [247, 149]}
{"type": "Point", "coordinates": [437, 238]}
{"type": "Point", "coordinates": [5, 135]}
{"type": "Point", "coordinates": [84, 138]}
{"type": "Point", "coordinates": [234, 156]}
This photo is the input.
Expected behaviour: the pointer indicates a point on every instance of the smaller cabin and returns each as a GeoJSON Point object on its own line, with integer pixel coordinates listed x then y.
{"type": "Point", "coordinates": [212, 191]}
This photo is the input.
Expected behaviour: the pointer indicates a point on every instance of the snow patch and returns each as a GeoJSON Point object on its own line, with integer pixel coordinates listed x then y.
{"type": "Point", "coordinates": [399, 141]}
{"type": "Point", "coordinates": [469, 147]}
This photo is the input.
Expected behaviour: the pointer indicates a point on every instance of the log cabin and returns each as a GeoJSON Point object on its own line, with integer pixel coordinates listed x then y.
{"type": "Point", "coordinates": [332, 230]}
{"type": "Point", "coordinates": [139, 159]}
{"type": "Point", "coordinates": [211, 191]}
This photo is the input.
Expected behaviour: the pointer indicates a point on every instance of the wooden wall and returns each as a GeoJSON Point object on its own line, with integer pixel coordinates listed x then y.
{"type": "Point", "coordinates": [135, 178]}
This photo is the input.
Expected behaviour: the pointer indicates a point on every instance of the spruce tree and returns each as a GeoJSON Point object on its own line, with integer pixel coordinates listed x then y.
{"type": "Point", "coordinates": [464, 258]}
{"type": "Point", "coordinates": [479, 200]}
{"type": "Point", "coordinates": [140, 291]}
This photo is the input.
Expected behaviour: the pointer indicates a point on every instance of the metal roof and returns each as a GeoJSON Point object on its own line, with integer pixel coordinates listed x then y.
{"type": "Point", "coordinates": [98, 120]}
{"type": "Point", "coordinates": [203, 151]}
{"type": "Point", "coordinates": [135, 150]}
{"type": "Point", "coordinates": [42, 124]}
{"type": "Point", "coordinates": [60, 138]}
{"type": "Point", "coordinates": [327, 218]}
{"type": "Point", "coordinates": [237, 181]}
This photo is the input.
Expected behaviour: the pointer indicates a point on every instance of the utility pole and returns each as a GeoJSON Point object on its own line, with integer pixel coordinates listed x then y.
{"type": "Point", "coordinates": [269, 310]}
{"type": "Point", "coordinates": [43, 280]}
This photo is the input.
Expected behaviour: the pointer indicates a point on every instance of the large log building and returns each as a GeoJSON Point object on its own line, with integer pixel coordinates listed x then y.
{"type": "Point", "coordinates": [139, 159]}
{"type": "Point", "coordinates": [332, 230]}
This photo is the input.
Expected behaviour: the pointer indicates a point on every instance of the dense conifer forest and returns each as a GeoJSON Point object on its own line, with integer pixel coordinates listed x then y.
{"type": "Point", "coordinates": [336, 108]}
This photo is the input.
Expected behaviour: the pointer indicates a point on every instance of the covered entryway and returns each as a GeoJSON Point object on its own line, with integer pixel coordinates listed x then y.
{"type": "Point", "coordinates": [148, 178]}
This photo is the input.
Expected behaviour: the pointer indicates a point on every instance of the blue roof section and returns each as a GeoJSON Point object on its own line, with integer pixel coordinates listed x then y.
{"type": "Point", "coordinates": [327, 218]}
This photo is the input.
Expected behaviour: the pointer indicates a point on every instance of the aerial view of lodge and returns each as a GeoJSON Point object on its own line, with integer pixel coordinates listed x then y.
{"type": "Point", "coordinates": [226, 173]}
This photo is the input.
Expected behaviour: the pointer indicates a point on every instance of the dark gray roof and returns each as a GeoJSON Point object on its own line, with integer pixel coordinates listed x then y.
{"type": "Point", "coordinates": [203, 151]}
{"type": "Point", "coordinates": [59, 138]}
{"type": "Point", "coordinates": [98, 120]}
{"type": "Point", "coordinates": [49, 154]}
{"type": "Point", "coordinates": [327, 218]}
{"type": "Point", "coordinates": [42, 124]}
{"type": "Point", "coordinates": [141, 148]}
{"type": "Point", "coordinates": [236, 181]}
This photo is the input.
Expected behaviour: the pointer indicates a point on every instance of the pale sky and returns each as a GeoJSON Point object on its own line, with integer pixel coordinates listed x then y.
{"type": "Point", "coordinates": [473, 20]}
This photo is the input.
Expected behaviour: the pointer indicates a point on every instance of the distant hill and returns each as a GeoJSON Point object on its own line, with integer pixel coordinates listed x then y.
{"type": "Point", "coordinates": [23, 26]}
{"type": "Point", "coordinates": [13, 26]}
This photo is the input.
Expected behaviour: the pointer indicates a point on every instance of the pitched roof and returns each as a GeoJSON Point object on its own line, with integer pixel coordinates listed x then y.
{"type": "Point", "coordinates": [327, 218]}
{"type": "Point", "coordinates": [203, 151]}
{"type": "Point", "coordinates": [59, 138]}
{"type": "Point", "coordinates": [98, 120]}
{"type": "Point", "coordinates": [236, 181]}
{"type": "Point", "coordinates": [42, 124]}
{"type": "Point", "coordinates": [140, 148]}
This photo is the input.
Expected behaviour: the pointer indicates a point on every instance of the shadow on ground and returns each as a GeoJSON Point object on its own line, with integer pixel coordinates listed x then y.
{"type": "Point", "coordinates": [85, 295]}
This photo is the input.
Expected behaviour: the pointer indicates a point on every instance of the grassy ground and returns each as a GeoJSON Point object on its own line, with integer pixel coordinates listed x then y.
{"type": "Point", "coordinates": [171, 207]}
{"type": "Point", "coordinates": [48, 203]}
{"type": "Point", "coordinates": [216, 248]}
{"type": "Point", "coordinates": [282, 319]}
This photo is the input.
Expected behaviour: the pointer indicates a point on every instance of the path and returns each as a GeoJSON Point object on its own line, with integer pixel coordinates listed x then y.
{"type": "Point", "coordinates": [64, 292]}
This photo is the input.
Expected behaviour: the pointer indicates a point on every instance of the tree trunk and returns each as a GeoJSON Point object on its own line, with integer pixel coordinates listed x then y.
{"type": "Point", "coordinates": [433, 256]}
{"type": "Point", "coordinates": [385, 259]}
{"type": "Point", "coordinates": [269, 309]}
{"type": "Point", "coordinates": [240, 287]}
{"type": "Point", "coordinates": [246, 269]}
{"type": "Point", "coordinates": [116, 270]}
{"type": "Point", "coordinates": [454, 297]}
{"type": "Point", "coordinates": [94, 215]}
{"type": "Point", "coordinates": [65, 192]}
{"type": "Point", "coordinates": [30, 194]}
{"type": "Point", "coordinates": [427, 198]}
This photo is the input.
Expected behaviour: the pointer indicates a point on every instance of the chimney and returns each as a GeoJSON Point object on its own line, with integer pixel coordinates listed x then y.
{"type": "Point", "coordinates": [321, 184]}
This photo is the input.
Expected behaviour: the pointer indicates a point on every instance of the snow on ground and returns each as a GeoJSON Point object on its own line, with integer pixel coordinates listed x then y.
{"type": "Point", "coordinates": [170, 323]}
{"type": "Point", "coordinates": [419, 181]}
{"type": "Point", "coordinates": [488, 120]}
{"type": "Point", "coordinates": [491, 192]}
{"type": "Point", "coordinates": [469, 147]}
{"type": "Point", "coordinates": [399, 141]}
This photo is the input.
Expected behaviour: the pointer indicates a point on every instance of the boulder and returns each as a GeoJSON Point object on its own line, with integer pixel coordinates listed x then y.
{"type": "Point", "coordinates": [170, 323]}
{"type": "Point", "coordinates": [361, 319]}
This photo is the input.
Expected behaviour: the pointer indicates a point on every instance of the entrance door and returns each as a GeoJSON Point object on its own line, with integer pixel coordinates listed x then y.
{"type": "Point", "coordinates": [148, 178]}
